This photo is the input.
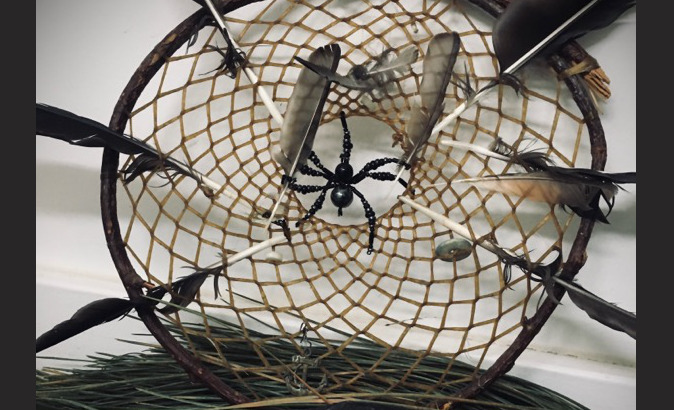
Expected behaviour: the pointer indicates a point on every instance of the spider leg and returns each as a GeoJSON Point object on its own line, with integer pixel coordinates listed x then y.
{"type": "Point", "coordinates": [306, 189]}
{"type": "Point", "coordinates": [380, 176]}
{"type": "Point", "coordinates": [371, 218]}
{"type": "Point", "coordinates": [385, 176]}
{"type": "Point", "coordinates": [346, 144]}
{"type": "Point", "coordinates": [318, 204]}
{"type": "Point", "coordinates": [327, 174]}
{"type": "Point", "coordinates": [377, 163]}
{"type": "Point", "coordinates": [307, 170]}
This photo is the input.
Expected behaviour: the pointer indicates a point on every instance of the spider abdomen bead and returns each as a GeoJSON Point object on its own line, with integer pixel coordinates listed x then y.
{"type": "Point", "coordinates": [341, 196]}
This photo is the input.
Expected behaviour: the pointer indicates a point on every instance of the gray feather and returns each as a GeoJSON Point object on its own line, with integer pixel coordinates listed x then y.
{"type": "Point", "coordinates": [438, 66]}
{"type": "Point", "coordinates": [304, 111]}
{"type": "Point", "coordinates": [597, 308]}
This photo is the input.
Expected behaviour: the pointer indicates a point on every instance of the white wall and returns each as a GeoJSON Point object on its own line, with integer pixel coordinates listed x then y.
{"type": "Point", "coordinates": [85, 54]}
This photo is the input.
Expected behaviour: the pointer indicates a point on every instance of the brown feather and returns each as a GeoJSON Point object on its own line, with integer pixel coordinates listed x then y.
{"type": "Point", "coordinates": [580, 195]}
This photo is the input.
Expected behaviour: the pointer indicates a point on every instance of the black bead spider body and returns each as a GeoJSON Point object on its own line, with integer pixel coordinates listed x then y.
{"type": "Point", "coordinates": [342, 182]}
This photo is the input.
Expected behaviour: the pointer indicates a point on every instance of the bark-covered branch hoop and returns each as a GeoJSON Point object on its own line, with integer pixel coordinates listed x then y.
{"type": "Point", "coordinates": [402, 296]}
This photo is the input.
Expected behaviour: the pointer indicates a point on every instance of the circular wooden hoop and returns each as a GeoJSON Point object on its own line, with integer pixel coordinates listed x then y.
{"type": "Point", "coordinates": [133, 282]}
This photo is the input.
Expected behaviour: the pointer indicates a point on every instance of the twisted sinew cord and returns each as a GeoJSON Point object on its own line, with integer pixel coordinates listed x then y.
{"type": "Point", "coordinates": [266, 99]}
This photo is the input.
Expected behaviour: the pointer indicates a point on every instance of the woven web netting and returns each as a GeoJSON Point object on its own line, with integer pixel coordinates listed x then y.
{"type": "Point", "coordinates": [402, 296]}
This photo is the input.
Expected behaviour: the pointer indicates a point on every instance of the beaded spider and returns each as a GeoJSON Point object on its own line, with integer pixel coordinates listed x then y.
{"type": "Point", "coordinates": [342, 182]}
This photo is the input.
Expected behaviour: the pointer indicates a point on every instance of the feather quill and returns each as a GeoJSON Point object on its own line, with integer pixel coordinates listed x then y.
{"type": "Point", "coordinates": [438, 67]}
{"type": "Point", "coordinates": [576, 188]}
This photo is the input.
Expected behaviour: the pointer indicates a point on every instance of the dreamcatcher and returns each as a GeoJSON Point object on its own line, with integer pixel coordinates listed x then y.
{"type": "Point", "coordinates": [351, 177]}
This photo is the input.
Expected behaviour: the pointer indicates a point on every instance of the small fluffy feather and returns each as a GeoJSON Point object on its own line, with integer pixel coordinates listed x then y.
{"type": "Point", "coordinates": [381, 71]}
{"type": "Point", "coordinates": [399, 63]}
{"type": "Point", "coordinates": [529, 160]}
